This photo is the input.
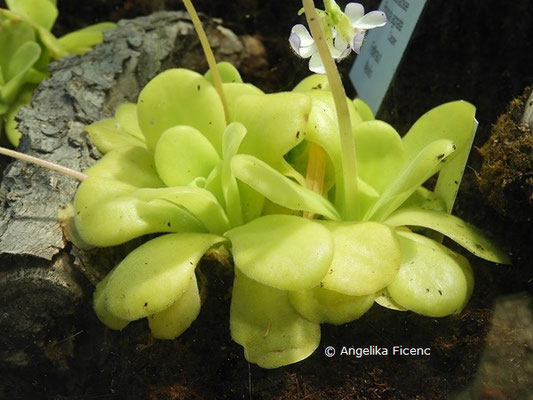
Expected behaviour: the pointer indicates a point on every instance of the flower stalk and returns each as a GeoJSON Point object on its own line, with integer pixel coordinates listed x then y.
{"type": "Point", "coordinates": [42, 163]}
{"type": "Point", "coordinates": [209, 56]}
{"type": "Point", "coordinates": [316, 171]}
{"type": "Point", "coordinates": [349, 207]}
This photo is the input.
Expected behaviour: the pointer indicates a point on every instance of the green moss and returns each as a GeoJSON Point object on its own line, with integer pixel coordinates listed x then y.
{"type": "Point", "coordinates": [506, 176]}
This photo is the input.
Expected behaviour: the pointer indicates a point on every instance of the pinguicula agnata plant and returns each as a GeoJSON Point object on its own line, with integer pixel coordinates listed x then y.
{"type": "Point", "coordinates": [321, 206]}
{"type": "Point", "coordinates": [26, 48]}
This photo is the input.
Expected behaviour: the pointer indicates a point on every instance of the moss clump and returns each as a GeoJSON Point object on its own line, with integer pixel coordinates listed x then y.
{"type": "Point", "coordinates": [506, 175]}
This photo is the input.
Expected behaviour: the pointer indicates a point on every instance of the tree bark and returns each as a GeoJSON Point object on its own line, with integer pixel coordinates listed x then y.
{"type": "Point", "coordinates": [44, 280]}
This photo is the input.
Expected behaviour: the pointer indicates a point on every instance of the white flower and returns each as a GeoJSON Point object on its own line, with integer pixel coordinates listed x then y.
{"type": "Point", "coordinates": [303, 45]}
{"type": "Point", "coordinates": [362, 23]}
{"type": "Point", "coordinates": [347, 33]}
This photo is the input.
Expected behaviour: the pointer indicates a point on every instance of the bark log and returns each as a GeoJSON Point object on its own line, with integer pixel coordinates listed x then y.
{"type": "Point", "coordinates": [41, 288]}
{"type": "Point", "coordinates": [83, 90]}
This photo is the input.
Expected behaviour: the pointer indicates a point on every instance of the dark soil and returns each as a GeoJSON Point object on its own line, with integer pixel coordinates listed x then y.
{"type": "Point", "coordinates": [473, 50]}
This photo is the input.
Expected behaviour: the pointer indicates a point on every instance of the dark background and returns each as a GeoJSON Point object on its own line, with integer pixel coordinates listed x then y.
{"type": "Point", "coordinates": [476, 50]}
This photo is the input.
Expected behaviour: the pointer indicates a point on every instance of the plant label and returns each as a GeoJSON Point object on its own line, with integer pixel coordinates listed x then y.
{"type": "Point", "coordinates": [382, 51]}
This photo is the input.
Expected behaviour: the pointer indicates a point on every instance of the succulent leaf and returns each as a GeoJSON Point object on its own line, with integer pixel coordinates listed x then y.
{"type": "Point", "coordinates": [364, 110]}
{"type": "Point", "coordinates": [275, 123]}
{"type": "Point", "coordinates": [199, 202]}
{"type": "Point", "coordinates": [82, 40]}
{"type": "Point", "coordinates": [182, 154]}
{"type": "Point", "coordinates": [263, 321]}
{"type": "Point", "coordinates": [174, 320]}
{"type": "Point", "coordinates": [379, 149]}
{"type": "Point", "coordinates": [421, 168]}
{"type": "Point", "coordinates": [181, 97]}
{"type": "Point", "coordinates": [384, 299]}
{"type": "Point", "coordinates": [366, 257]}
{"type": "Point", "coordinates": [107, 135]}
{"type": "Point", "coordinates": [278, 188]}
{"type": "Point", "coordinates": [100, 309]}
{"type": "Point", "coordinates": [228, 73]}
{"type": "Point", "coordinates": [126, 118]}
{"type": "Point", "coordinates": [231, 141]}
{"type": "Point", "coordinates": [453, 227]}
{"type": "Point", "coordinates": [107, 214]}
{"type": "Point", "coordinates": [156, 274]}
{"type": "Point", "coordinates": [432, 280]}
{"type": "Point", "coordinates": [123, 130]}
{"type": "Point", "coordinates": [41, 12]}
{"type": "Point", "coordinates": [129, 164]}
{"type": "Point", "coordinates": [454, 121]}
{"type": "Point", "coordinates": [327, 306]}
{"type": "Point", "coordinates": [282, 251]}
{"type": "Point", "coordinates": [21, 62]}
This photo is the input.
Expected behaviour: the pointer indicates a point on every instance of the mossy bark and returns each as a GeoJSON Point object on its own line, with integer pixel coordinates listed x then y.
{"type": "Point", "coordinates": [506, 175]}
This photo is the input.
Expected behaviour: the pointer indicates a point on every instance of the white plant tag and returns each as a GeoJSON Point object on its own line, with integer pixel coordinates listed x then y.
{"type": "Point", "coordinates": [382, 50]}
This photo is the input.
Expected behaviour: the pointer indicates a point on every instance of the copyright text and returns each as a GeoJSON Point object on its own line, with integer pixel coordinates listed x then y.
{"type": "Point", "coordinates": [377, 351]}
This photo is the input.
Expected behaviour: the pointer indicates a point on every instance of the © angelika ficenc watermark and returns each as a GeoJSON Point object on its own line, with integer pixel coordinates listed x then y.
{"type": "Point", "coordinates": [378, 351]}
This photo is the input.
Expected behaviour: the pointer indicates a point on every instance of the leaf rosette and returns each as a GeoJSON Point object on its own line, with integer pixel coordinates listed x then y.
{"type": "Point", "coordinates": [174, 165]}
{"type": "Point", "coordinates": [323, 209]}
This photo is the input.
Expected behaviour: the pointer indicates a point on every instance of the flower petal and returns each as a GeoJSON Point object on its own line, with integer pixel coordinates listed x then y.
{"type": "Point", "coordinates": [301, 41]}
{"type": "Point", "coordinates": [306, 52]}
{"type": "Point", "coordinates": [357, 42]}
{"type": "Point", "coordinates": [354, 11]}
{"type": "Point", "coordinates": [305, 37]}
{"type": "Point", "coordinates": [316, 65]}
{"type": "Point", "coordinates": [373, 19]}
{"type": "Point", "coordinates": [342, 48]}
{"type": "Point", "coordinates": [295, 42]}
